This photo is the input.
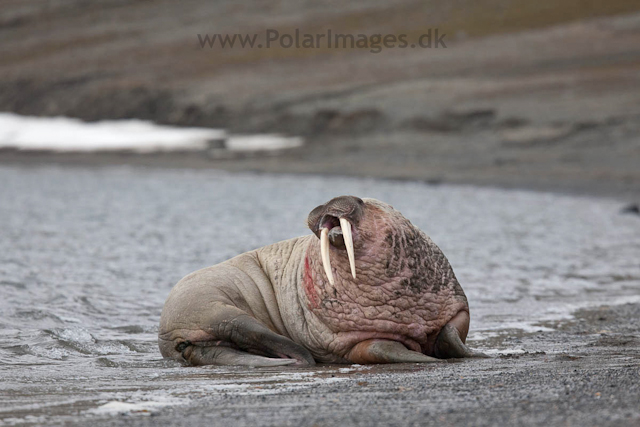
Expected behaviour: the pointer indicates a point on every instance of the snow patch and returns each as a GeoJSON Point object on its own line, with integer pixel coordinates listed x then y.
{"type": "Point", "coordinates": [261, 142]}
{"type": "Point", "coordinates": [64, 134]}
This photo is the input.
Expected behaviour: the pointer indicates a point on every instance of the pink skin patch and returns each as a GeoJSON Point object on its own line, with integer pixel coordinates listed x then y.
{"type": "Point", "coordinates": [309, 287]}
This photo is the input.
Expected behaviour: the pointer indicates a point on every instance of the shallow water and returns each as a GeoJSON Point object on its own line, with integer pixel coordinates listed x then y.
{"type": "Point", "coordinates": [87, 257]}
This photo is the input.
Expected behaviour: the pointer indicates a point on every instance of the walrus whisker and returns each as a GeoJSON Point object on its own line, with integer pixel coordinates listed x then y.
{"type": "Point", "coordinates": [348, 242]}
{"type": "Point", "coordinates": [324, 251]}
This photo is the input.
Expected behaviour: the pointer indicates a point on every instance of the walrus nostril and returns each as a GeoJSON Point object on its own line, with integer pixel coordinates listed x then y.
{"type": "Point", "coordinates": [328, 221]}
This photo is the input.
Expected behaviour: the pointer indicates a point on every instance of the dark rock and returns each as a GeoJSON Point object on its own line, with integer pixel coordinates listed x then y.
{"type": "Point", "coordinates": [633, 209]}
{"type": "Point", "coordinates": [454, 121]}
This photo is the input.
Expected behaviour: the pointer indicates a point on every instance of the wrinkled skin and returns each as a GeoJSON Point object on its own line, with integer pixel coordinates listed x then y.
{"type": "Point", "coordinates": [276, 306]}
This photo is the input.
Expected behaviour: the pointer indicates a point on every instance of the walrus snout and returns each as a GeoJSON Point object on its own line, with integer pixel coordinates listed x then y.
{"type": "Point", "coordinates": [342, 212]}
{"type": "Point", "coordinates": [328, 215]}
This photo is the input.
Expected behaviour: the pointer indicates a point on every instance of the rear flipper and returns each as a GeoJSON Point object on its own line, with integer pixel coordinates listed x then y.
{"type": "Point", "coordinates": [218, 355]}
{"type": "Point", "coordinates": [239, 339]}
{"type": "Point", "coordinates": [450, 341]}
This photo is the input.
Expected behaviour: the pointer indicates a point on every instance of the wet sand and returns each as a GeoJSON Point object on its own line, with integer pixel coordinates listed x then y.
{"type": "Point", "coordinates": [584, 374]}
{"type": "Point", "coordinates": [91, 254]}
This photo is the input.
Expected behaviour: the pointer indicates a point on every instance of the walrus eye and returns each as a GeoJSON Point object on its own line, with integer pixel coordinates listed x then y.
{"type": "Point", "coordinates": [347, 238]}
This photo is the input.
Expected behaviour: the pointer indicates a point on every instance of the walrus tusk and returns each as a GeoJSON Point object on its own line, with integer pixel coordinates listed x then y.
{"type": "Point", "coordinates": [324, 251]}
{"type": "Point", "coordinates": [348, 242]}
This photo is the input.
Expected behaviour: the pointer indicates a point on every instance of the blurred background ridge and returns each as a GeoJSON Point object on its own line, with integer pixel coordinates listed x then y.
{"type": "Point", "coordinates": [528, 94]}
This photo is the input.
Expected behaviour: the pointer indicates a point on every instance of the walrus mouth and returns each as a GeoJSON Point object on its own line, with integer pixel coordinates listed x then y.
{"type": "Point", "coordinates": [347, 237]}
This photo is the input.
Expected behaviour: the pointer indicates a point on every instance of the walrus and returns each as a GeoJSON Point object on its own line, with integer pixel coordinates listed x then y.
{"type": "Point", "coordinates": [366, 287]}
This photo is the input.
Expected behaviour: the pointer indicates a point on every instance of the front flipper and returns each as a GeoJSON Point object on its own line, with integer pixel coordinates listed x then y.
{"type": "Point", "coordinates": [236, 338]}
{"type": "Point", "coordinates": [450, 345]}
{"type": "Point", "coordinates": [384, 351]}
